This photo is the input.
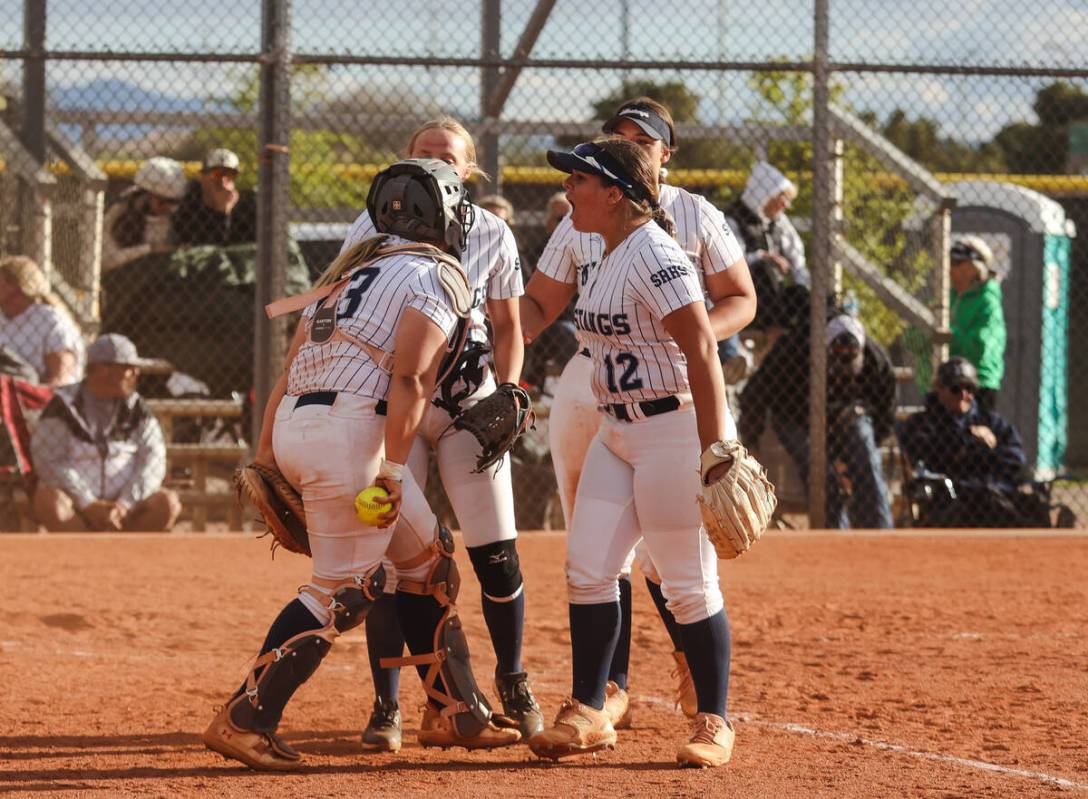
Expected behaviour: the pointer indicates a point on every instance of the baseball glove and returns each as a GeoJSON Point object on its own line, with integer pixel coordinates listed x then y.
{"type": "Point", "coordinates": [497, 421]}
{"type": "Point", "coordinates": [278, 503]}
{"type": "Point", "coordinates": [737, 507]}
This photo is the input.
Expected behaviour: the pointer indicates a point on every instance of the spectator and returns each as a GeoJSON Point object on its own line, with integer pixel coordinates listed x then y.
{"type": "Point", "coordinates": [860, 414]}
{"type": "Point", "coordinates": [775, 254]}
{"type": "Point", "coordinates": [977, 450]}
{"type": "Point", "coordinates": [499, 206]}
{"type": "Point", "coordinates": [558, 207]}
{"type": "Point", "coordinates": [977, 317]}
{"type": "Point", "coordinates": [35, 325]}
{"type": "Point", "coordinates": [99, 451]}
{"type": "Point", "coordinates": [140, 223]}
{"type": "Point", "coordinates": [213, 210]}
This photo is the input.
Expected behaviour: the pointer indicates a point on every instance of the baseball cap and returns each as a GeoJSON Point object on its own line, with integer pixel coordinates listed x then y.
{"type": "Point", "coordinates": [652, 123]}
{"type": "Point", "coordinates": [221, 158]}
{"type": "Point", "coordinates": [843, 325]}
{"type": "Point", "coordinates": [957, 371]}
{"type": "Point", "coordinates": [593, 159]}
{"type": "Point", "coordinates": [114, 348]}
{"type": "Point", "coordinates": [971, 248]}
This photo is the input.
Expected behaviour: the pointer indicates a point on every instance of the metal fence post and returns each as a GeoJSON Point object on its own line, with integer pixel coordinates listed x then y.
{"type": "Point", "coordinates": [822, 222]}
{"type": "Point", "coordinates": [273, 198]}
{"type": "Point", "coordinates": [490, 47]}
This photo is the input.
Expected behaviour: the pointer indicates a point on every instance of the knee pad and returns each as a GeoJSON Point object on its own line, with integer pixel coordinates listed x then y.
{"type": "Point", "coordinates": [350, 600]}
{"type": "Point", "coordinates": [443, 580]}
{"type": "Point", "coordinates": [498, 569]}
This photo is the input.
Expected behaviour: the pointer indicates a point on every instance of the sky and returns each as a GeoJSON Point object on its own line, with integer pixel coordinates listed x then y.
{"type": "Point", "coordinates": [992, 32]}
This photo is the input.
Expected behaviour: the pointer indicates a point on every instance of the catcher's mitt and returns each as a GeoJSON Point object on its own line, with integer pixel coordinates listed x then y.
{"type": "Point", "coordinates": [737, 507]}
{"type": "Point", "coordinates": [497, 421]}
{"type": "Point", "coordinates": [278, 503]}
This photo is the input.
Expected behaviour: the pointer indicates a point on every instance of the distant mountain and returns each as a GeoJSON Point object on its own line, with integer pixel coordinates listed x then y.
{"type": "Point", "coordinates": [113, 94]}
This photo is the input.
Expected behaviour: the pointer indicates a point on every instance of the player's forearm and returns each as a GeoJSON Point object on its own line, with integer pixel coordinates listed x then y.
{"type": "Point", "coordinates": [533, 322]}
{"type": "Point", "coordinates": [731, 315]}
{"type": "Point", "coordinates": [509, 351]}
{"type": "Point", "coordinates": [707, 391]}
{"type": "Point", "coordinates": [407, 400]}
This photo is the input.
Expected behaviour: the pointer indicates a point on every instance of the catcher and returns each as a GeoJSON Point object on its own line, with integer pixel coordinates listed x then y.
{"type": "Point", "coordinates": [359, 373]}
{"type": "Point", "coordinates": [657, 379]}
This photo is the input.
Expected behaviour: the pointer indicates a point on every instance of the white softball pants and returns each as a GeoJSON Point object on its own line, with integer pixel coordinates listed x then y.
{"type": "Point", "coordinates": [329, 454]}
{"type": "Point", "coordinates": [640, 480]}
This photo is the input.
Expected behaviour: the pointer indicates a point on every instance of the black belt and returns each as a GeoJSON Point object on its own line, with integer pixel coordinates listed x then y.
{"type": "Point", "coordinates": [329, 397]}
{"type": "Point", "coordinates": [648, 408]}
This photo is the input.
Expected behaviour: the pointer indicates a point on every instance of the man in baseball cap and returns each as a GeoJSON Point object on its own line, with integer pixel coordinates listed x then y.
{"type": "Point", "coordinates": [214, 210]}
{"type": "Point", "coordinates": [99, 451]}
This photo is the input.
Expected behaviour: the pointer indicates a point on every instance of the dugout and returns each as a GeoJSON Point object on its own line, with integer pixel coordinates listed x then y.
{"type": "Point", "coordinates": [1032, 240]}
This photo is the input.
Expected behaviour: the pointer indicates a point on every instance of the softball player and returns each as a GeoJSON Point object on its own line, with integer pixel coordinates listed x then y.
{"type": "Point", "coordinates": [484, 503]}
{"type": "Point", "coordinates": [342, 416]}
{"type": "Point", "coordinates": [566, 264]}
{"type": "Point", "coordinates": [656, 377]}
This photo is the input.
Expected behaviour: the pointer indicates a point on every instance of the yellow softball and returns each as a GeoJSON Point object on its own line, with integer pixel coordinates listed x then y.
{"type": "Point", "coordinates": [368, 504]}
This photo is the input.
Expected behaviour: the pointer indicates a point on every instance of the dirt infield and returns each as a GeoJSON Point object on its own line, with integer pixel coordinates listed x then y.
{"type": "Point", "coordinates": [864, 665]}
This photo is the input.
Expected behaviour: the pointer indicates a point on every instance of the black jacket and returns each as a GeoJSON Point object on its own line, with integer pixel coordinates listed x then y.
{"type": "Point", "coordinates": [781, 387]}
{"type": "Point", "coordinates": [196, 223]}
{"type": "Point", "coordinates": [944, 443]}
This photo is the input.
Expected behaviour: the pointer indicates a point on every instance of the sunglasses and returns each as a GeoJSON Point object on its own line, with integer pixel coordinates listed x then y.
{"type": "Point", "coordinates": [962, 388]}
{"type": "Point", "coordinates": [961, 252]}
{"type": "Point", "coordinates": [220, 172]}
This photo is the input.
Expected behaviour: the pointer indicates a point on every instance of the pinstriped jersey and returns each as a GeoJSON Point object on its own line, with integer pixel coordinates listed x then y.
{"type": "Point", "coordinates": [701, 231]}
{"type": "Point", "coordinates": [490, 260]}
{"type": "Point", "coordinates": [619, 313]}
{"type": "Point", "coordinates": [370, 309]}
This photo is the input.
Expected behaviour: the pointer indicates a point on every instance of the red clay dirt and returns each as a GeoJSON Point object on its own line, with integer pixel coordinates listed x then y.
{"type": "Point", "coordinates": [863, 665]}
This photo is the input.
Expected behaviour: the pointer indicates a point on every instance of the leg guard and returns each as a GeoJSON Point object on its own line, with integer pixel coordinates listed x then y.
{"type": "Point", "coordinates": [498, 569]}
{"type": "Point", "coordinates": [461, 701]}
{"type": "Point", "coordinates": [278, 673]}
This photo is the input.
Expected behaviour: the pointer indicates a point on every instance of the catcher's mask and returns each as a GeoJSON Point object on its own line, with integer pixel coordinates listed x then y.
{"type": "Point", "coordinates": [421, 199]}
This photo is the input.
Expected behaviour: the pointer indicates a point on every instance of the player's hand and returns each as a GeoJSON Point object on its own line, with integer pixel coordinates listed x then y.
{"type": "Point", "coordinates": [718, 472]}
{"type": "Point", "coordinates": [265, 457]}
{"type": "Point", "coordinates": [101, 515]}
{"type": "Point", "coordinates": [984, 434]}
{"type": "Point", "coordinates": [222, 199]}
{"type": "Point", "coordinates": [394, 489]}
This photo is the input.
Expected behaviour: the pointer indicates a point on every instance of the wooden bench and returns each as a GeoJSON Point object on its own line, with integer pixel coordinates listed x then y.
{"type": "Point", "coordinates": [198, 498]}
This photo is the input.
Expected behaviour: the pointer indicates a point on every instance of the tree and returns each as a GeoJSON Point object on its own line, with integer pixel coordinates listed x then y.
{"type": "Point", "coordinates": [920, 139]}
{"type": "Point", "coordinates": [1044, 146]}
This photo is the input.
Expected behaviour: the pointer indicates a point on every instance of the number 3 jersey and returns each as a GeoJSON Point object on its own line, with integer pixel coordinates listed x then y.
{"type": "Point", "coordinates": [619, 314]}
{"type": "Point", "coordinates": [370, 309]}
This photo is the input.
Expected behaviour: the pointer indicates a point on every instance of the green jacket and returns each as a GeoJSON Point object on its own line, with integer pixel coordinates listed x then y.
{"type": "Point", "coordinates": [978, 330]}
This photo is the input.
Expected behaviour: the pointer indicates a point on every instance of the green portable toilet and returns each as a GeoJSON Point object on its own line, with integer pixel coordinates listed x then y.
{"type": "Point", "coordinates": [1031, 240]}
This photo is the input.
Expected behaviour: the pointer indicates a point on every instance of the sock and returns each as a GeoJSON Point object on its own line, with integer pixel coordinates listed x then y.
{"type": "Point", "coordinates": [666, 615]}
{"type": "Point", "coordinates": [621, 658]}
{"type": "Point", "coordinates": [593, 632]}
{"type": "Point", "coordinates": [295, 618]}
{"type": "Point", "coordinates": [384, 640]}
{"type": "Point", "coordinates": [706, 646]}
{"type": "Point", "coordinates": [419, 616]}
{"type": "Point", "coordinates": [505, 622]}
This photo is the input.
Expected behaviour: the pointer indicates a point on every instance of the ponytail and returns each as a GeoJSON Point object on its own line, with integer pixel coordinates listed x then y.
{"type": "Point", "coordinates": [664, 220]}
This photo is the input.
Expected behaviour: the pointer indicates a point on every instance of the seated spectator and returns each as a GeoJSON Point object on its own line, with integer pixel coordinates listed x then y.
{"type": "Point", "coordinates": [977, 450]}
{"type": "Point", "coordinates": [775, 253]}
{"type": "Point", "coordinates": [499, 206]}
{"type": "Point", "coordinates": [558, 207]}
{"type": "Point", "coordinates": [139, 223]}
{"type": "Point", "coordinates": [35, 325]}
{"type": "Point", "coordinates": [99, 452]}
{"type": "Point", "coordinates": [860, 414]}
{"type": "Point", "coordinates": [214, 210]}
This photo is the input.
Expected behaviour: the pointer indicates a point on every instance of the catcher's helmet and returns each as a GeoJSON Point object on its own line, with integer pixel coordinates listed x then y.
{"type": "Point", "coordinates": [163, 177]}
{"type": "Point", "coordinates": [421, 199]}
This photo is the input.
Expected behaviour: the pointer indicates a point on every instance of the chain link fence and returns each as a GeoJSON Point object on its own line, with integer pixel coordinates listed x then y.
{"type": "Point", "coordinates": [903, 129]}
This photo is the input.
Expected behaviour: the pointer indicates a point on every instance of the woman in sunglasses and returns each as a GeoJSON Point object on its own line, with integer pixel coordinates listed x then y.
{"type": "Point", "coordinates": [977, 318]}
{"type": "Point", "coordinates": [564, 267]}
{"type": "Point", "coordinates": [656, 377]}
{"type": "Point", "coordinates": [139, 223]}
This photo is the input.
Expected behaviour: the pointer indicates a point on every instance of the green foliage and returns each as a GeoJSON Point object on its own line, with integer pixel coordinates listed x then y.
{"type": "Point", "coordinates": [919, 139]}
{"type": "Point", "coordinates": [1044, 147]}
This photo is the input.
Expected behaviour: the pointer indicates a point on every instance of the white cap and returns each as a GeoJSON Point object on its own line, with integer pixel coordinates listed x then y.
{"type": "Point", "coordinates": [221, 158]}
{"type": "Point", "coordinates": [163, 177]}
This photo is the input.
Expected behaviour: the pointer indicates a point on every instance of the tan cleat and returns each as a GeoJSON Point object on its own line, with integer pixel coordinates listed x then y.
{"type": "Point", "coordinates": [438, 730]}
{"type": "Point", "coordinates": [617, 704]}
{"type": "Point", "coordinates": [685, 688]}
{"type": "Point", "coordinates": [264, 751]}
{"type": "Point", "coordinates": [711, 743]}
{"type": "Point", "coordinates": [578, 729]}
